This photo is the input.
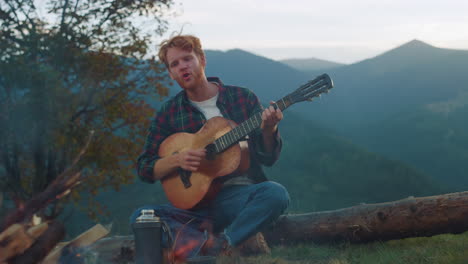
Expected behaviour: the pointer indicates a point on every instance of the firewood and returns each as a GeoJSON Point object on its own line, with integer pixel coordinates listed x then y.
{"type": "Point", "coordinates": [17, 238]}
{"type": "Point", "coordinates": [42, 246]}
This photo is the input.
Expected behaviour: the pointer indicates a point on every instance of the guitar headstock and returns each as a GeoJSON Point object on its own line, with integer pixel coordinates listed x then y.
{"type": "Point", "coordinates": [311, 89]}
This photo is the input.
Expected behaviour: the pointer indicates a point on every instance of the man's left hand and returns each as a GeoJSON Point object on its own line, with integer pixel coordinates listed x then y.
{"type": "Point", "coordinates": [271, 118]}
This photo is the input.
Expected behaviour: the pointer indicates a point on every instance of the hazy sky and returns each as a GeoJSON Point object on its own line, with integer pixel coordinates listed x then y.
{"type": "Point", "coordinates": [338, 30]}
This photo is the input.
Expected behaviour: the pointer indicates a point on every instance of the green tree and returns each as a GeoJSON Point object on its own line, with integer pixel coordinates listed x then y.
{"type": "Point", "coordinates": [69, 67]}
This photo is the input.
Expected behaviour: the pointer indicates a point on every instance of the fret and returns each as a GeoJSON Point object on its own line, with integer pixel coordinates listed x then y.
{"type": "Point", "coordinates": [284, 104]}
{"type": "Point", "coordinates": [235, 132]}
{"type": "Point", "coordinates": [217, 147]}
{"type": "Point", "coordinates": [247, 123]}
{"type": "Point", "coordinates": [257, 121]}
{"type": "Point", "coordinates": [254, 122]}
{"type": "Point", "coordinates": [245, 130]}
{"type": "Point", "coordinates": [225, 142]}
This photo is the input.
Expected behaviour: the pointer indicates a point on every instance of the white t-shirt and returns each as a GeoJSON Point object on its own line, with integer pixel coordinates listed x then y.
{"type": "Point", "coordinates": [208, 107]}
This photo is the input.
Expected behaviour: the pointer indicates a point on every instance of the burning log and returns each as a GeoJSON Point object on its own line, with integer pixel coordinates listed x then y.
{"type": "Point", "coordinates": [85, 239]}
{"type": "Point", "coordinates": [411, 217]}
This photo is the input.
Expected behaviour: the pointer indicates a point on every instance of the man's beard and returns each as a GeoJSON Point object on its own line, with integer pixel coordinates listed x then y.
{"type": "Point", "coordinates": [194, 81]}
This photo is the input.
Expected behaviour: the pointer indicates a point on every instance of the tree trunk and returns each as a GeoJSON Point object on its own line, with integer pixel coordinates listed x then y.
{"type": "Point", "coordinates": [411, 217]}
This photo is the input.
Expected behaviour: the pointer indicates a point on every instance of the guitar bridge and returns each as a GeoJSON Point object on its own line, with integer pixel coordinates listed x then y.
{"type": "Point", "coordinates": [185, 177]}
{"type": "Point", "coordinates": [210, 151]}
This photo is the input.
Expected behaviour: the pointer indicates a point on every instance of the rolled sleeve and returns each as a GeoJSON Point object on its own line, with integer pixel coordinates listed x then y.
{"type": "Point", "coordinates": [264, 157]}
{"type": "Point", "coordinates": [146, 168]}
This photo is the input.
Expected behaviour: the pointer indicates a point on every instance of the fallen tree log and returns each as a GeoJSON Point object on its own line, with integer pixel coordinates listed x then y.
{"type": "Point", "coordinates": [411, 217]}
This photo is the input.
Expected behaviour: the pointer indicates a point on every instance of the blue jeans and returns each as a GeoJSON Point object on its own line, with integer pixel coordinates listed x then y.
{"type": "Point", "coordinates": [239, 211]}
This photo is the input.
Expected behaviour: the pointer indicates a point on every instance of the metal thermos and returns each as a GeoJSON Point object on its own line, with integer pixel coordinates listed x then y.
{"type": "Point", "coordinates": [147, 231]}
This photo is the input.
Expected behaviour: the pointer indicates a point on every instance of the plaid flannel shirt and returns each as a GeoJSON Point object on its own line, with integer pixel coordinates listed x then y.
{"type": "Point", "coordinates": [179, 115]}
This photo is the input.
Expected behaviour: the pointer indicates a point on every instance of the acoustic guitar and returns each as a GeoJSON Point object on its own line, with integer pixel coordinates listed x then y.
{"type": "Point", "coordinates": [221, 137]}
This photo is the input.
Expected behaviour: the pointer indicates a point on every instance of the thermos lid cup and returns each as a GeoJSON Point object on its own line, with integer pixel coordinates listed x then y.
{"type": "Point", "coordinates": [147, 215]}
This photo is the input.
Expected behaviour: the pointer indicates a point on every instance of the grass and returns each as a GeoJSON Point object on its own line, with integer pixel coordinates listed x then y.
{"type": "Point", "coordinates": [441, 249]}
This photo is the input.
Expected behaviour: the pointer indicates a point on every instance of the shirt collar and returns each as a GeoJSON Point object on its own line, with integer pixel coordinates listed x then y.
{"type": "Point", "coordinates": [222, 89]}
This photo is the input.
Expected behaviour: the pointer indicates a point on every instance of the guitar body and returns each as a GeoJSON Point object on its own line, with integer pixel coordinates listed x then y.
{"type": "Point", "coordinates": [232, 159]}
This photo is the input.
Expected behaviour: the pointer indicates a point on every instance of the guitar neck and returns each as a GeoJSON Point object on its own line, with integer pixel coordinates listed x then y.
{"type": "Point", "coordinates": [246, 127]}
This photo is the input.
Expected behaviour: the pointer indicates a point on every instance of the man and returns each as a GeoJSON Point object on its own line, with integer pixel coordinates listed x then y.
{"type": "Point", "coordinates": [247, 202]}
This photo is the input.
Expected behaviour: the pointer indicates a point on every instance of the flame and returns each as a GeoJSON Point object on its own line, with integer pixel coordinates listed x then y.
{"type": "Point", "coordinates": [181, 252]}
{"type": "Point", "coordinates": [182, 249]}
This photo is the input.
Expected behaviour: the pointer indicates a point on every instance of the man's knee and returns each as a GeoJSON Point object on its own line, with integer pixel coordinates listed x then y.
{"type": "Point", "coordinates": [278, 195]}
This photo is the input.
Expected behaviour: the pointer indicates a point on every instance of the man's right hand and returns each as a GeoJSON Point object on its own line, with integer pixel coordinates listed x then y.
{"type": "Point", "coordinates": [190, 160]}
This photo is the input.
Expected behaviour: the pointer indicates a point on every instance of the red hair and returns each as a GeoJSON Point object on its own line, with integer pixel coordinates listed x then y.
{"type": "Point", "coordinates": [186, 42]}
